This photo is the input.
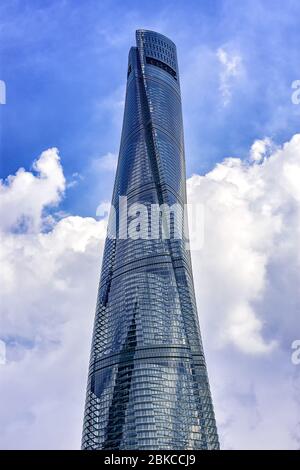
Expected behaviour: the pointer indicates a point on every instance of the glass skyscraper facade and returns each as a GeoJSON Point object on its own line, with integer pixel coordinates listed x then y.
{"type": "Point", "coordinates": [148, 386]}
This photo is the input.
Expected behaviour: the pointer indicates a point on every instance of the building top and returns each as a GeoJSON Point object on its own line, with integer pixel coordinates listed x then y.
{"type": "Point", "coordinates": [157, 49]}
{"type": "Point", "coordinates": [149, 32]}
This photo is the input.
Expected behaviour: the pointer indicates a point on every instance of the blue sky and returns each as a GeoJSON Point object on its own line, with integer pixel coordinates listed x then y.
{"type": "Point", "coordinates": [64, 64]}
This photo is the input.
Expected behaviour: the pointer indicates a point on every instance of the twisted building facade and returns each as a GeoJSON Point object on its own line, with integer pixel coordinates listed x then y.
{"type": "Point", "coordinates": [148, 386]}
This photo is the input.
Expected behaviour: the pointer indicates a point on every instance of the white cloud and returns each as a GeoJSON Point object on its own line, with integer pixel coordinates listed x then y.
{"type": "Point", "coordinates": [2, 92]}
{"type": "Point", "coordinates": [247, 284]}
{"type": "Point", "coordinates": [75, 179]}
{"type": "Point", "coordinates": [260, 148]}
{"type": "Point", "coordinates": [107, 162]}
{"type": "Point", "coordinates": [247, 287]}
{"type": "Point", "coordinates": [25, 195]}
{"type": "Point", "coordinates": [251, 222]}
{"type": "Point", "coordinates": [2, 352]}
{"type": "Point", "coordinates": [48, 283]}
{"type": "Point", "coordinates": [113, 105]}
{"type": "Point", "coordinates": [231, 67]}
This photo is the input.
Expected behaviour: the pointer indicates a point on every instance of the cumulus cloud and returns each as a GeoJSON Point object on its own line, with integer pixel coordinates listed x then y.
{"type": "Point", "coordinates": [260, 149]}
{"type": "Point", "coordinates": [26, 194]}
{"type": "Point", "coordinates": [48, 282]}
{"type": "Point", "coordinates": [247, 287]}
{"type": "Point", "coordinates": [247, 284]}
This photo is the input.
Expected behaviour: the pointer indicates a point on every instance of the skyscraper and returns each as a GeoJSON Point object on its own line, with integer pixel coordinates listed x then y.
{"type": "Point", "coordinates": [148, 386]}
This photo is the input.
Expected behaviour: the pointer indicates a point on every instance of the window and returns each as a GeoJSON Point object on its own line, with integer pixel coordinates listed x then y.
{"type": "Point", "coordinates": [162, 65]}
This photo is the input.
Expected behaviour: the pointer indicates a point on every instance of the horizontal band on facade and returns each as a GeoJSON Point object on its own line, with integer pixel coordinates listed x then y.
{"type": "Point", "coordinates": [174, 86]}
{"type": "Point", "coordinates": [140, 354]}
{"type": "Point", "coordinates": [178, 263]}
{"type": "Point", "coordinates": [162, 66]}
{"type": "Point", "coordinates": [164, 188]}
